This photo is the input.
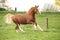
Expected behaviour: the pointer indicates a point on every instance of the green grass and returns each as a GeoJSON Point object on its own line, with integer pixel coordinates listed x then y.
{"type": "Point", "coordinates": [7, 31]}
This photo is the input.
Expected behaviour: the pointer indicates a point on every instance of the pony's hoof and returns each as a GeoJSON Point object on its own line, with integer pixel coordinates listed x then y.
{"type": "Point", "coordinates": [16, 30]}
{"type": "Point", "coordinates": [42, 30]}
{"type": "Point", "coordinates": [24, 31]}
{"type": "Point", "coordinates": [35, 29]}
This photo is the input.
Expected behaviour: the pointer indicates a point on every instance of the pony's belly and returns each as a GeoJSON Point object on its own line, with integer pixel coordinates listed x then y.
{"type": "Point", "coordinates": [24, 22]}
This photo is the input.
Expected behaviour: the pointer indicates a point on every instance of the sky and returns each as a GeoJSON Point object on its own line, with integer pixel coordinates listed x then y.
{"type": "Point", "coordinates": [25, 5]}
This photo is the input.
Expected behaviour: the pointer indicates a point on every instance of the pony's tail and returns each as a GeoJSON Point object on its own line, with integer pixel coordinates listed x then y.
{"type": "Point", "coordinates": [8, 18]}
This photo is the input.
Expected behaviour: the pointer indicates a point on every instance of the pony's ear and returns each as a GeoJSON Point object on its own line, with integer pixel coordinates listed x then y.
{"type": "Point", "coordinates": [36, 6]}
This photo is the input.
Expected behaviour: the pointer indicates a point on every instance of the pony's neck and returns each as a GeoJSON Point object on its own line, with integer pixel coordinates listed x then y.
{"type": "Point", "coordinates": [32, 13]}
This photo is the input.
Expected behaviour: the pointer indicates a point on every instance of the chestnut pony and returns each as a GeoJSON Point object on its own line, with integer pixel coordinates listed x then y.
{"type": "Point", "coordinates": [28, 18]}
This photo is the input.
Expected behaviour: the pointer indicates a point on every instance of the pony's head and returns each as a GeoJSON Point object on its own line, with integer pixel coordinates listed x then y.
{"type": "Point", "coordinates": [36, 10]}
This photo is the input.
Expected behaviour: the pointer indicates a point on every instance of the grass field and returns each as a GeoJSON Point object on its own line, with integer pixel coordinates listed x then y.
{"type": "Point", "coordinates": [7, 31]}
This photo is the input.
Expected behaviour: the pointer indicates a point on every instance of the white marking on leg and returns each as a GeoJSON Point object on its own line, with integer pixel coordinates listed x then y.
{"type": "Point", "coordinates": [35, 27]}
{"type": "Point", "coordinates": [16, 30]}
{"type": "Point", "coordinates": [21, 29]}
{"type": "Point", "coordinates": [39, 28]}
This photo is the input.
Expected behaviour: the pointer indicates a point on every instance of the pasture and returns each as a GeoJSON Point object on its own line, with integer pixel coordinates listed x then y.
{"type": "Point", "coordinates": [7, 31]}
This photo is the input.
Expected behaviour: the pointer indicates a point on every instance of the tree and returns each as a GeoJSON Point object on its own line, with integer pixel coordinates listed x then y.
{"type": "Point", "coordinates": [57, 3]}
{"type": "Point", "coordinates": [3, 1]}
{"type": "Point", "coordinates": [49, 8]}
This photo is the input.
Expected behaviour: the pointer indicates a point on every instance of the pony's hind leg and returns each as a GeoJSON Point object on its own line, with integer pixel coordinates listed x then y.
{"type": "Point", "coordinates": [17, 27]}
{"type": "Point", "coordinates": [21, 29]}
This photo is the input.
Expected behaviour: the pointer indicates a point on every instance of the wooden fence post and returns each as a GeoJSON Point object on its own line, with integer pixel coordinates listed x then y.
{"type": "Point", "coordinates": [46, 23]}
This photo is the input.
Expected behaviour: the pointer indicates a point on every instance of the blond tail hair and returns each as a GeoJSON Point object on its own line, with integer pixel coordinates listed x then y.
{"type": "Point", "coordinates": [8, 18]}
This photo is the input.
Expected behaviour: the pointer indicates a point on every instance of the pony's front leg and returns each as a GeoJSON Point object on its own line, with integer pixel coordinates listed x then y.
{"type": "Point", "coordinates": [40, 28]}
{"type": "Point", "coordinates": [21, 29]}
{"type": "Point", "coordinates": [37, 26]}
